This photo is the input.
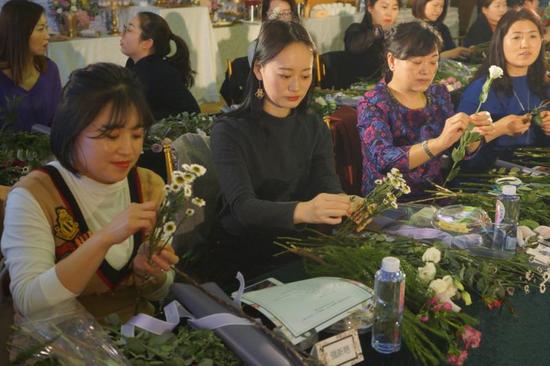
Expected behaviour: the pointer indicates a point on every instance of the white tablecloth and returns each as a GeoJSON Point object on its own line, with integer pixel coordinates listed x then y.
{"type": "Point", "coordinates": [328, 33]}
{"type": "Point", "coordinates": [192, 24]}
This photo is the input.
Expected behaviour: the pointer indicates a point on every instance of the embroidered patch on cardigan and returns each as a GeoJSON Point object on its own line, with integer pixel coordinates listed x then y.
{"type": "Point", "coordinates": [66, 228]}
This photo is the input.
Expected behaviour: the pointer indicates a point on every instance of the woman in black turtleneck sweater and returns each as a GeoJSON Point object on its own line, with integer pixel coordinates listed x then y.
{"type": "Point", "coordinates": [166, 79]}
{"type": "Point", "coordinates": [274, 160]}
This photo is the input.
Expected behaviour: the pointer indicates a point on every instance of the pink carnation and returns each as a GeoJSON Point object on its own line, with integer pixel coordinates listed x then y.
{"type": "Point", "coordinates": [424, 318]}
{"type": "Point", "coordinates": [471, 337]}
{"type": "Point", "coordinates": [457, 360]}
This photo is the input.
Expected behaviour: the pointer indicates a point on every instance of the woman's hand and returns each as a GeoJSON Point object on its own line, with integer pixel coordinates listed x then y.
{"type": "Point", "coordinates": [138, 216]}
{"type": "Point", "coordinates": [452, 131]}
{"type": "Point", "coordinates": [160, 263]}
{"type": "Point", "coordinates": [325, 208]}
{"type": "Point", "coordinates": [513, 125]}
{"type": "Point", "coordinates": [545, 117]}
{"type": "Point", "coordinates": [483, 123]}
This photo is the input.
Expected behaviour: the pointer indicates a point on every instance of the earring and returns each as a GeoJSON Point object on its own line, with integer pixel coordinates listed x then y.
{"type": "Point", "coordinates": [259, 92]}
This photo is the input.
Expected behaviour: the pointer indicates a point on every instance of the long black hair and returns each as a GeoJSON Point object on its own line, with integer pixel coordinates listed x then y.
{"type": "Point", "coordinates": [87, 92]}
{"type": "Point", "coordinates": [367, 18]}
{"type": "Point", "coordinates": [274, 36]}
{"type": "Point", "coordinates": [536, 73]}
{"type": "Point", "coordinates": [411, 39]}
{"type": "Point", "coordinates": [17, 21]}
{"type": "Point", "coordinates": [154, 27]}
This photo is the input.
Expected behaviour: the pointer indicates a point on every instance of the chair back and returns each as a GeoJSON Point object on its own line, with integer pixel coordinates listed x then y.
{"type": "Point", "coordinates": [234, 85]}
{"type": "Point", "coordinates": [337, 73]}
{"type": "Point", "coordinates": [347, 149]}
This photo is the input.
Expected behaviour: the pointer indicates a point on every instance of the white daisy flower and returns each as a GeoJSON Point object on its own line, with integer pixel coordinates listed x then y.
{"type": "Point", "coordinates": [189, 212]}
{"type": "Point", "coordinates": [199, 202]}
{"type": "Point", "coordinates": [542, 288]}
{"type": "Point", "coordinates": [189, 177]}
{"type": "Point", "coordinates": [199, 170]}
{"type": "Point", "coordinates": [169, 228]}
{"type": "Point", "coordinates": [175, 187]}
{"type": "Point", "coordinates": [187, 191]}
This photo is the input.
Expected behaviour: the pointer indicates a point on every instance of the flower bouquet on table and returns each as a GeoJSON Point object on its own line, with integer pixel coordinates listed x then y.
{"type": "Point", "coordinates": [454, 74]}
{"type": "Point", "coordinates": [440, 280]}
{"type": "Point", "coordinates": [469, 136]}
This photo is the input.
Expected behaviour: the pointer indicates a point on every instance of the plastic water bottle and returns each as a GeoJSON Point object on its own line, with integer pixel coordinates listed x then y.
{"type": "Point", "coordinates": [389, 292]}
{"type": "Point", "coordinates": [507, 215]}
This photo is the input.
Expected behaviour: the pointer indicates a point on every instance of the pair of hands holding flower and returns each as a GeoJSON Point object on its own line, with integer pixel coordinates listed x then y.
{"type": "Point", "coordinates": [514, 125]}
{"type": "Point", "coordinates": [456, 125]}
{"type": "Point", "coordinates": [136, 217]}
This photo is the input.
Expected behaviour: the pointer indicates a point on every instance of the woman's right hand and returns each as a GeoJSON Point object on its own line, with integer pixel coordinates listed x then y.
{"type": "Point", "coordinates": [138, 216]}
{"type": "Point", "coordinates": [325, 208]}
{"type": "Point", "coordinates": [453, 130]}
{"type": "Point", "coordinates": [513, 125]}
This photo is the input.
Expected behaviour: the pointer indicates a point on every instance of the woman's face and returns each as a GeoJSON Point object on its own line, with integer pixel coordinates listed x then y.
{"type": "Point", "coordinates": [131, 43]}
{"type": "Point", "coordinates": [522, 44]}
{"type": "Point", "coordinates": [283, 10]}
{"type": "Point", "coordinates": [384, 12]}
{"type": "Point", "coordinates": [434, 9]}
{"type": "Point", "coordinates": [38, 41]}
{"type": "Point", "coordinates": [108, 158]}
{"type": "Point", "coordinates": [286, 78]}
{"type": "Point", "coordinates": [415, 74]}
{"type": "Point", "coordinates": [495, 11]}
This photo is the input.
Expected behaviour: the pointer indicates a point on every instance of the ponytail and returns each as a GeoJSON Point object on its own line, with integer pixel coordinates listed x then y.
{"type": "Point", "coordinates": [180, 60]}
{"type": "Point", "coordinates": [154, 27]}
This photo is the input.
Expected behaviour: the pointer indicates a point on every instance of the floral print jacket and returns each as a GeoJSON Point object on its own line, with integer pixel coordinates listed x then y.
{"type": "Point", "coordinates": [388, 130]}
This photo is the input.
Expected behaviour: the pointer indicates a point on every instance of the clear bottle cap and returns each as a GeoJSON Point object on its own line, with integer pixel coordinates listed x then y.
{"type": "Point", "coordinates": [390, 264]}
{"type": "Point", "coordinates": [509, 190]}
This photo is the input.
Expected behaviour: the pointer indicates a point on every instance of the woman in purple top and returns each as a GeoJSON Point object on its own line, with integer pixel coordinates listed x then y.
{"type": "Point", "coordinates": [405, 122]}
{"type": "Point", "coordinates": [30, 87]}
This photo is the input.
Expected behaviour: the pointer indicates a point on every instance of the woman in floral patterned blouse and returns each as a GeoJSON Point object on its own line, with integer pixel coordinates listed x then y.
{"type": "Point", "coordinates": [406, 122]}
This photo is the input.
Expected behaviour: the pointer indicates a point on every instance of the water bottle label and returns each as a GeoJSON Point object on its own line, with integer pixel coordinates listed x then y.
{"type": "Point", "coordinates": [500, 211]}
{"type": "Point", "coordinates": [402, 296]}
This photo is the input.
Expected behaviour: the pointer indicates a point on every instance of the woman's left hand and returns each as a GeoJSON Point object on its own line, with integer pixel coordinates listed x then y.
{"type": "Point", "coordinates": [160, 263]}
{"type": "Point", "coordinates": [545, 117]}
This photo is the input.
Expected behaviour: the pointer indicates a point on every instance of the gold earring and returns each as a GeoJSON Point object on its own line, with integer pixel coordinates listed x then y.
{"type": "Point", "coordinates": [259, 92]}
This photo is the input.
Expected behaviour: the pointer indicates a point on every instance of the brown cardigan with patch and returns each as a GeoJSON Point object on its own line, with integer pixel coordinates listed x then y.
{"type": "Point", "coordinates": [110, 290]}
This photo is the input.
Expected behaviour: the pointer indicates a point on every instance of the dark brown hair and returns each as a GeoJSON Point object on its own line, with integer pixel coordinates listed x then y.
{"type": "Point", "coordinates": [17, 21]}
{"type": "Point", "coordinates": [412, 39]}
{"type": "Point", "coordinates": [87, 92]}
{"type": "Point", "coordinates": [419, 9]}
{"type": "Point", "coordinates": [154, 27]}
{"type": "Point", "coordinates": [274, 36]}
{"type": "Point", "coordinates": [536, 74]}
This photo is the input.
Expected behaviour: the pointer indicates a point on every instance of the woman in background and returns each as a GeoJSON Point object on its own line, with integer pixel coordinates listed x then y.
{"type": "Point", "coordinates": [29, 81]}
{"type": "Point", "coordinates": [166, 79]}
{"type": "Point", "coordinates": [364, 42]}
{"type": "Point", "coordinates": [434, 12]}
{"type": "Point", "coordinates": [489, 13]}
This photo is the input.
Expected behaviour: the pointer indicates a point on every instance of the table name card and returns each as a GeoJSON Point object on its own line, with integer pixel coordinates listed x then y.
{"type": "Point", "coordinates": [343, 349]}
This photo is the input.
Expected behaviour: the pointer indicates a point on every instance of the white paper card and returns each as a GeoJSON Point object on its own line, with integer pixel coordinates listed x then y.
{"type": "Point", "coordinates": [343, 349]}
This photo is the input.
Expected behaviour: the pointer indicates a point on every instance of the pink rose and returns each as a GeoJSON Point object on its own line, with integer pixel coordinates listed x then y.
{"type": "Point", "coordinates": [424, 318]}
{"type": "Point", "coordinates": [471, 337]}
{"type": "Point", "coordinates": [458, 360]}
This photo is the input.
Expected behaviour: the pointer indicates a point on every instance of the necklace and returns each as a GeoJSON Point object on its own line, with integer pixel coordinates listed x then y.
{"type": "Point", "coordinates": [520, 103]}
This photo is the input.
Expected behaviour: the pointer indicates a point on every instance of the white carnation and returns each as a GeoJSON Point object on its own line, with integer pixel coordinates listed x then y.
{"type": "Point", "coordinates": [495, 72]}
{"type": "Point", "coordinates": [427, 273]}
{"type": "Point", "coordinates": [432, 255]}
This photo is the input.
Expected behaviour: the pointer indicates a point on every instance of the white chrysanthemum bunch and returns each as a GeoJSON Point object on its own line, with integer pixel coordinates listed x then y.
{"type": "Point", "coordinates": [178, 205]}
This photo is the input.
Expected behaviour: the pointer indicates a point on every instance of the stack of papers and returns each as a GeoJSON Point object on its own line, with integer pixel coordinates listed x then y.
{"type": "Point", "coordinates": [299, 309]}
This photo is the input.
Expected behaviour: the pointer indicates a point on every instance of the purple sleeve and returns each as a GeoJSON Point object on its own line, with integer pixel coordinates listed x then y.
{"type": "Point", "coordinates": [376, 136]}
